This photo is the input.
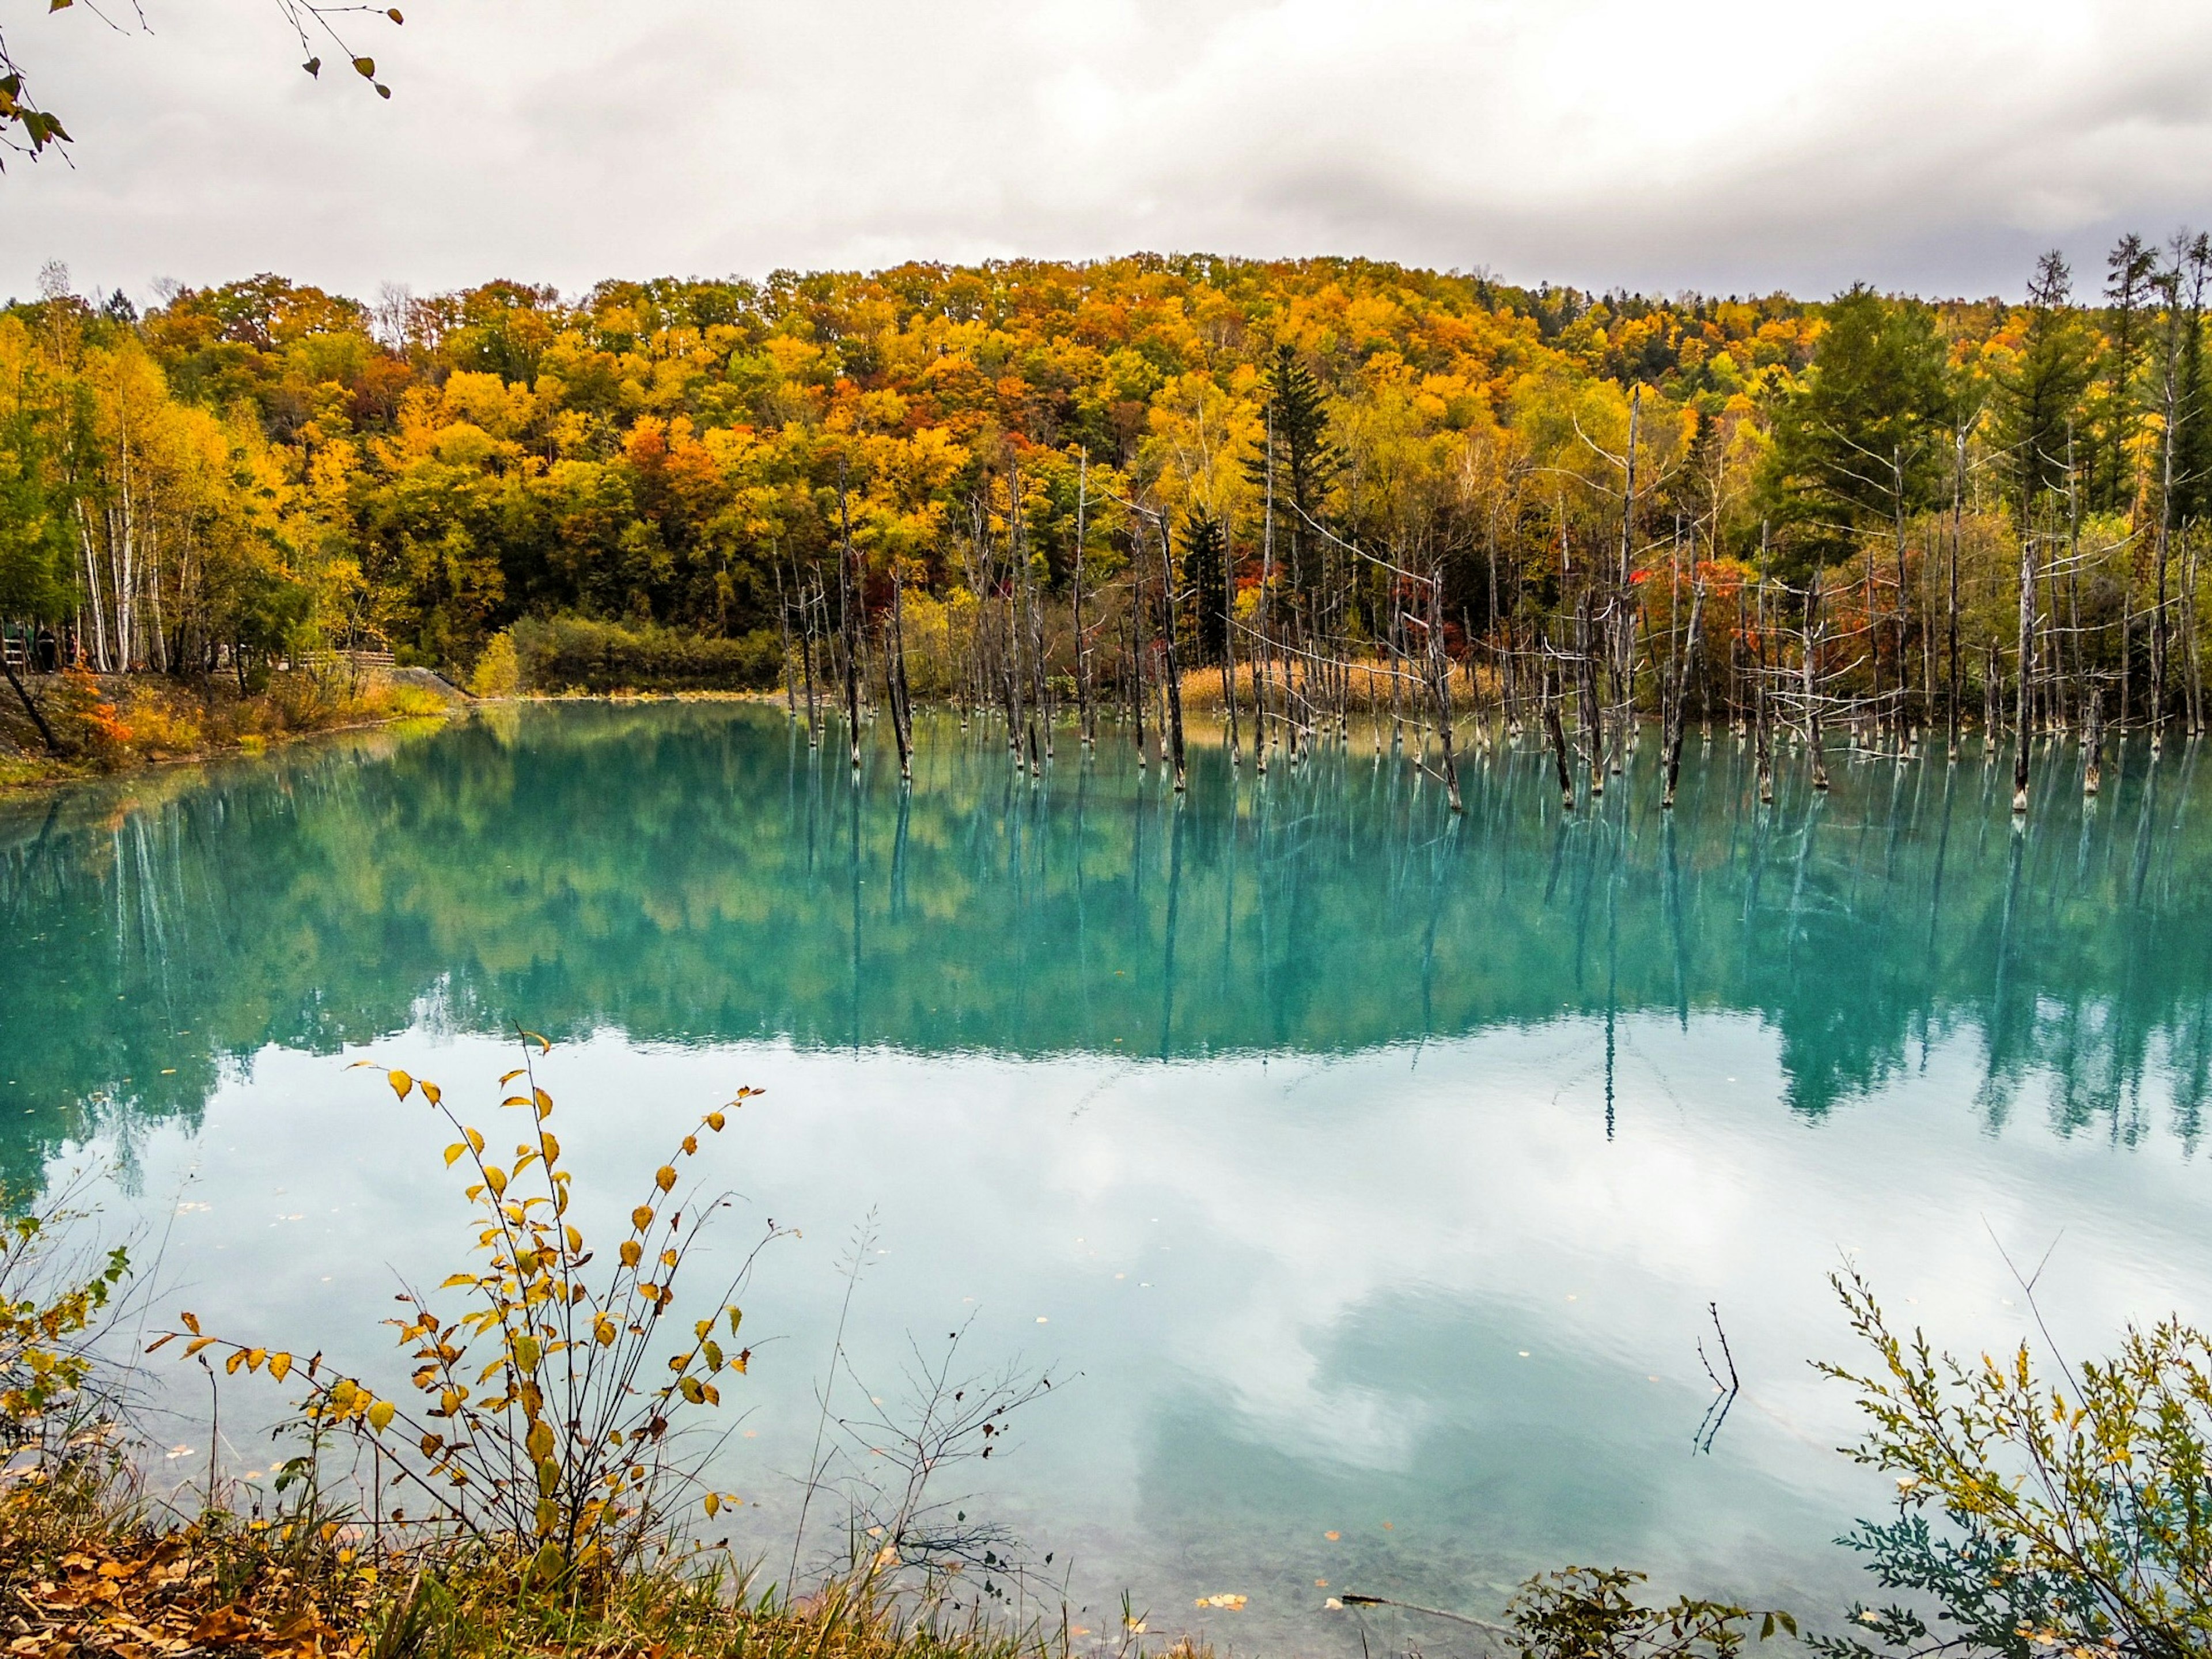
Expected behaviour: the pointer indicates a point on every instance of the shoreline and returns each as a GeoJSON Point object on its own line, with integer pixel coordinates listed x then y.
{"type": "Point", "coordinates": [108, 748]}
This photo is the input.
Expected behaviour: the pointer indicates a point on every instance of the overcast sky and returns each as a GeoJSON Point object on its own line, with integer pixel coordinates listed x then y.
{"type": "Point", "coordinates": [1727, 145]}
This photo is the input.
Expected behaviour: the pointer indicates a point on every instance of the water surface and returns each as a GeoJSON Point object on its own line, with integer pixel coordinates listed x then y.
{"type": "Point", "coordinates": [1353, 1168]}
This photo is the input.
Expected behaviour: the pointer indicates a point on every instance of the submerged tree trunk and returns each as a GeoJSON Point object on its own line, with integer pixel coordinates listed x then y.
{"type": "Point", "coordinates": [1173, 685]}
{"type": "Point", "coordinates": [2026, 665]}
{"type": "Point", "coordinates": [1553, 691]}
{"type": "Point", "coordinates": [1084, 715]}
{"type": "Point", "coordinates": [2093, 745]}
{"type": "Point", "coordinates": [1675, 719]}
{"type": "Point", "coordinates": [1813, 683]}
{"type": "Point", "coordinates": [1440, 680]}
{"type": "Point", "coordinates": [848, 603]}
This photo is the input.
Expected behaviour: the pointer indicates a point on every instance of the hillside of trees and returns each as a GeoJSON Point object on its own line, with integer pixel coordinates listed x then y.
{"type": "Point", "coordinates": [1320, 458]}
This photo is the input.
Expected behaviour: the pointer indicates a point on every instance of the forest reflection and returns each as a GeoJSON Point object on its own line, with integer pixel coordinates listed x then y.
{"type": "Point", "coordinates": [692, 874]}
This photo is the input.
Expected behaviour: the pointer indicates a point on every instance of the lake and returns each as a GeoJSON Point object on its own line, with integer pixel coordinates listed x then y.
{"type": "Point", "coordinates": [1367, 1181]}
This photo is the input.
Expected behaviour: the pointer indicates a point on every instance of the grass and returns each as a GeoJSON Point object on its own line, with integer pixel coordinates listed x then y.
{"type": "Point", "coordinates": [119, 723]}
{"type": "Point", "coordinates": [87, 1568]}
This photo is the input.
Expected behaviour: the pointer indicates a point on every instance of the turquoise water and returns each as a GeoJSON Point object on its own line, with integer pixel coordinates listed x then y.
{"type": "Point", "coordinates": [1350, 1168]}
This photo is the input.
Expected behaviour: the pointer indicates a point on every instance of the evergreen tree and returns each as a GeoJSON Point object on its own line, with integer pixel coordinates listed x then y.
{"type": "Point", "coordinates": [2192, 438]}
{"type": "Point", "coordinates": [1205, 581]}
{"type": "Point", "coordinates": [1863, 437]}
{"type": "Point", "coordinates": [2131, 269]}
{"type": "Point", "coordinates": [2040, 401]}
{"type": "Point", "coordinates": [1302, 462]}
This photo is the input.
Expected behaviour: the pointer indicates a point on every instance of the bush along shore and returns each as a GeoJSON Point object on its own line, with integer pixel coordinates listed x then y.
{"type": "Point", "coordinates": [60, 728]}
{"type": "Point", "coordinates": [542, 1482]}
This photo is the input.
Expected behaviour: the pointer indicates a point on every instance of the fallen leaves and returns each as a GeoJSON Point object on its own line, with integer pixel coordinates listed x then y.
{"type": "Point", "coordinates": [151, 1596]}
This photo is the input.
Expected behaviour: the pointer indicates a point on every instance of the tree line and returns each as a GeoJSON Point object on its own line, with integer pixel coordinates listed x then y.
{"type": "Point", "coordinates": [1322, 486]}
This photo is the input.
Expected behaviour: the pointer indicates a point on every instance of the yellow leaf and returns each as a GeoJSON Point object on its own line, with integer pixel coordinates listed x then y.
{"type": "Point", "coordinates": [454, 1153]}
{"type": "Point", "coordinates": [475, 1140]}
{"type": "Point", "coordinates": [432, 1093]}
{"type": "Point", "coordinates": [280, 1365]}
{"type": "Point", "coordinates": [192, 1322]}
{"type": "Point", "coordinates": [604, 1330]}
{"type": "Point", "coordinates": [458, 1280]}
{"type": "Point", "coordinates": [193, 1347]}
{"type": "Point", "coordinates": [494, 1178]}
{"type": "Point", "coordinates": [539, 1441]}
{"type": "Point", "coordinates": [380, 1415]}
{"type": "Point", "coordinates": [691, 1145]}
{"type": "Point", "coordinates": [663, 1178]}
{"type": "Point", "coordinates": [400, 1082]}
{"type": "Point", "coordinates": [713, 1504]}
{"type": "Point", "coordinates": [237, 1359]}
{"type": "Point", "coordinates": [716, 1121]}
{"type": "Point", "coordinates": [550, 1147]}
{"type": "Point", "coordinates": [544, 1103]}
{"type": "Point", "coordinates": [575, 1239]}
{"type": "Point", "coordinates": [631, 1255]}
{"type": "Point", "coordinates": [510, 1076]}
{"type": "Point", "coordinates": [641, 1218]}
{"type": "Point", "coordinates": [254, 1357]}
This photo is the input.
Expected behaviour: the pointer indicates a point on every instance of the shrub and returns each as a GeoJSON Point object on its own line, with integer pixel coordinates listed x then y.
{"type": "Point", "coordinates": [575, 654]}
{"type": "Point", "coordinates": [83, 715]}
{"type": "Point", "coordinates": [1589, 1613]}
{"type": "Point", "coordinates": [48, 1309]}
{"type": "Point", "coordinates": [499, 671]}
{"type": "Point", "coordinates": [572, 1462]}
{"type": "Point", "coordinates": [2077, 1509]}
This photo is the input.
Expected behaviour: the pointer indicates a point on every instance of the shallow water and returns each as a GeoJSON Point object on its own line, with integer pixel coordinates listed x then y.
{"type": "Point", "coordinates": [1351, 1170]}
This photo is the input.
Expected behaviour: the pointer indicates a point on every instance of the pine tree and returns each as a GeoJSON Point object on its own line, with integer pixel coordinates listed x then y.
{"type": "Point", "coordinates": [2131, 268]}
{"type": "Point", "coordinates": [1303, 463]}
{"type": "Point", "coordinates": [1205, 583]}
{"type": "Point", "coordinates": [2042, 396]}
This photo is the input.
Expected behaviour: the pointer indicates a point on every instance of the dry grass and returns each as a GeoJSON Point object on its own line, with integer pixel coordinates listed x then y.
{"type": "Point", "coordinates": [117, 723]}
{"type": "Point", "coordinates": [85, 1569]}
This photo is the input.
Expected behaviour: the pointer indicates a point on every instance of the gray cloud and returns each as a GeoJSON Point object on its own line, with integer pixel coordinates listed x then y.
{"type": "Point", "coordinates": [1724, 144]}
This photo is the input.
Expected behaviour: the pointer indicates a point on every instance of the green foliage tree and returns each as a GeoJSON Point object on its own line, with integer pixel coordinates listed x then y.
{"type": "Point", "coordinates": [1861, 441]}
{"type": "Point", "coordinates": [1205, 581]}
{"type": "Point", "coordinates": [1295, 463]}
{"type": "Point", "coordinates": [2131, 269]}
{"type": "Point", "coordinates": [2040, 396]}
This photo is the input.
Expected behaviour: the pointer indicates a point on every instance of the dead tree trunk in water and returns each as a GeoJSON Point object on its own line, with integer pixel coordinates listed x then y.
{"type": "Point", "coordinates": [1084, 717]}
{"type": "Point", "coordinates": [1586, 676]}
{"type": "Point", "coordinates": [847, 622]}
{"type": "Point", "coordinates": [901, 700]}
{"type": "Point", "coordinates": [1440, 683]}
{"type": "Point", "coordinates": [783, 625]}
{"type": "Point", "coordinates": [2026, 653]}
{"type": "Point", "coordinates": [807, 609]}
{"type": "Point", "coordinates": [1812, 683]}
{"type": "Point", "coordinates": [2093, 745]}
{"type": "Point", "coordinates": [1174, 670]}
{"type": "Point", "coordinates": [1136, 675]}
{"type": "Point", "coordinates": [1553, 690]}
{"type": "Point", "coordinates": [1958, 531]}
{"type": "Point", "coordinates": [1680, 701]}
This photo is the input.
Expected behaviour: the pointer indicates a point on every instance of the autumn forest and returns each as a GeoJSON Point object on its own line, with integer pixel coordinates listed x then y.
{"type": "Point", "coordinates": [1034, 486]}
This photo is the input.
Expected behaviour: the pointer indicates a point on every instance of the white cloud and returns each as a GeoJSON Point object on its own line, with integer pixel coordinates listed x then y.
{"type": "Point", "coordinates": [1725, 144]}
